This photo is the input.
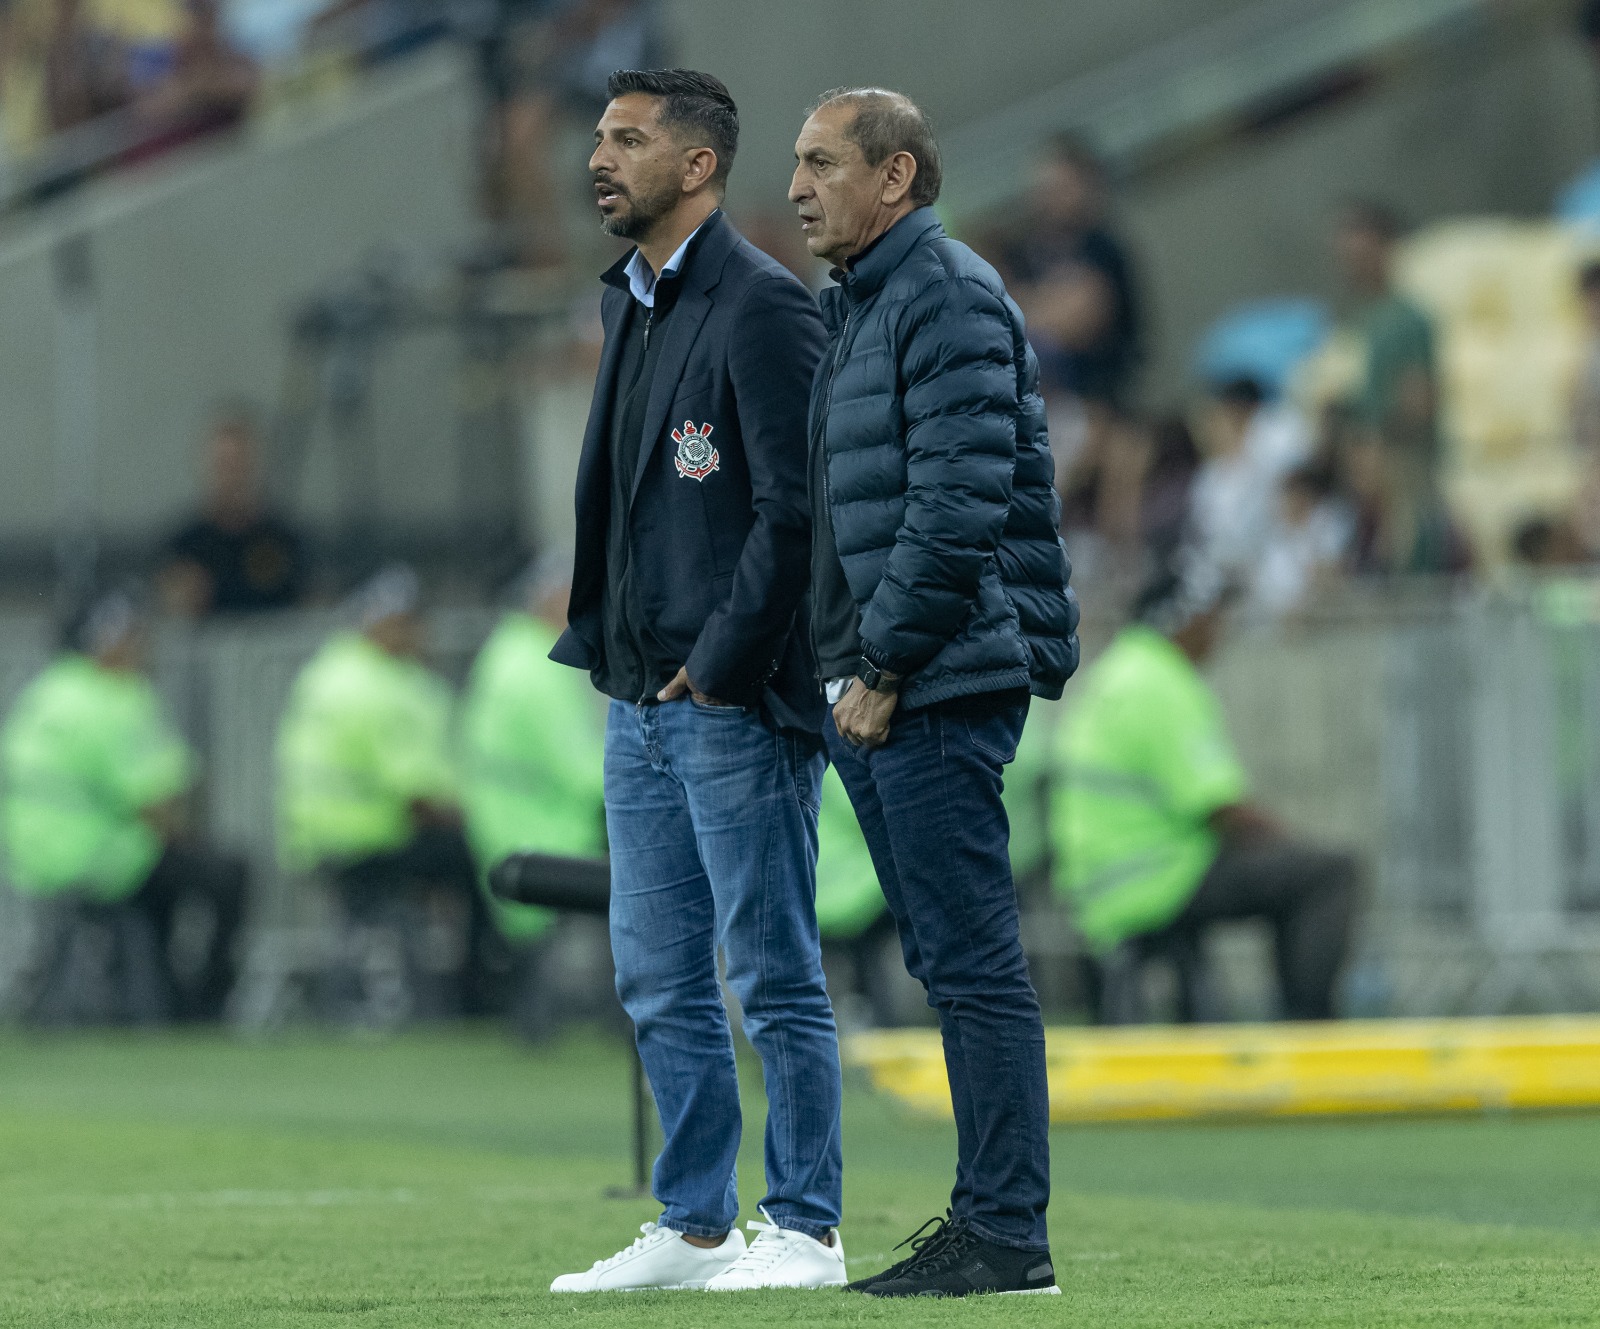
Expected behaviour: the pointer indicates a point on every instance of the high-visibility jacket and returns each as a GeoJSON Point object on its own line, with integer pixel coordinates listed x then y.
{"type": "Point", "coordinates": [86, 752]}
{"type": "Point", "coordinates": [1143, 760]}
{"type": "Point", "coordinates": [365, 735]}
{"type": "Point", "coordinates": [532, 757]}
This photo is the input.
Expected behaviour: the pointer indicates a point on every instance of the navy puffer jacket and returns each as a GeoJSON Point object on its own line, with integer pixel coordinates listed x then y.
{"type": "Point", "coordinates": [939, 475]}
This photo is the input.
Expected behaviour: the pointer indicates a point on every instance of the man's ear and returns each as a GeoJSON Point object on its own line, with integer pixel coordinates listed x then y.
{"type": "Point", "coordinates": [698, 168]}
{"type": "Point", "coordinates": [899, 173]}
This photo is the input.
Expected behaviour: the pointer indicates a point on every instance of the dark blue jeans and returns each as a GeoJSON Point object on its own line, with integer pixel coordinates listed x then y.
{"type": "Point", "coordinates": [929, 805]}
{"type": "Point", "coordinates": [712, 816]}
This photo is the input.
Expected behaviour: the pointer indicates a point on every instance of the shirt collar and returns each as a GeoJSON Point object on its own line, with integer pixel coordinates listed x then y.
{"type": "Point", "coordinates": [642, 281]}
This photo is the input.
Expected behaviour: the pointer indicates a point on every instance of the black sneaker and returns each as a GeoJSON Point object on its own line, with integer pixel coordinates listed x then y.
{"type": "Point", "coordinates": [923, 1247]}
{"type": "Point", "coordinates": [966, 1265]}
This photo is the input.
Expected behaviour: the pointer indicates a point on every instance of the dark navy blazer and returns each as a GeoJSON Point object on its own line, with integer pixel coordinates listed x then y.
{"type": "Point", "coordinates": [720, 545]}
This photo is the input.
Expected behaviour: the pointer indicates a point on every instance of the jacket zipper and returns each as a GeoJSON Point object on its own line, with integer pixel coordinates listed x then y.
{"type": "Point", "coordinates": [827, 497]}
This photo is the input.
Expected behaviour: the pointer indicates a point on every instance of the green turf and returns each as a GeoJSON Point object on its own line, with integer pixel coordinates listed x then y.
{"type": "Point", "coordinates": [443, 1179]}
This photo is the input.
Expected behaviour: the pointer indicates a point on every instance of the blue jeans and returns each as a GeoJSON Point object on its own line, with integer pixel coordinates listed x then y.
{"type": "Point", "coordinates": [929, 805]}
{"type": "Point", "coordinates": [712, 816]}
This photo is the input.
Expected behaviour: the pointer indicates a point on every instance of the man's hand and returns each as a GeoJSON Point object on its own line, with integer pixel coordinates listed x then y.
{"type": "Point", "coordinates": [862, 715]}
{"type": "Point", "coordinates": [681, 687]}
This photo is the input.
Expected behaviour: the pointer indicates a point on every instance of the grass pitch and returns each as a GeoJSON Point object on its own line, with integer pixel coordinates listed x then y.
{"type": "Point", "coordinates": [444, 1179]}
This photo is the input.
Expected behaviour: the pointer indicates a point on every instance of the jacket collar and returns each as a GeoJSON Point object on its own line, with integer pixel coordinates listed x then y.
{"type": "Point", "coordinates": [873, 266]}
{"type": "Point", "coordinates": [706, 251]}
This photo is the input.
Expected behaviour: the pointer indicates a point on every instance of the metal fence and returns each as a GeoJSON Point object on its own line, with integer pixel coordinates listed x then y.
{"type": "Point", "coordinates": [1454, 743]}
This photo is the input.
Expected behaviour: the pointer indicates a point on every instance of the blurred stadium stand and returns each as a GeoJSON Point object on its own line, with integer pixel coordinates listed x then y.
{"type": "Point", "coordinates": [329, 257]}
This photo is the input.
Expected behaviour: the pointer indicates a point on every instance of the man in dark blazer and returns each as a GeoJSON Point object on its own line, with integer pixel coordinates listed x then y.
{"type": "Point", "coordinates": [692, 552]}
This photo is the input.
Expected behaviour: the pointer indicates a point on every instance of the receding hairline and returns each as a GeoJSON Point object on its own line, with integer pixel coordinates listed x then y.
{"type": "Point", "coordinates": [856, 100]}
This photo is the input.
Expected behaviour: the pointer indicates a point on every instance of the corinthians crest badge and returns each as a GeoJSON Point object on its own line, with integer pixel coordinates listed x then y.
{"type": "Point", "coordinates": [696, 457]}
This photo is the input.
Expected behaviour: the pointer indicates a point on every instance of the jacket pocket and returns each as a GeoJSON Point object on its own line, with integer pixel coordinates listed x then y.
{"type": "Point", "coordinates": [694, 386]}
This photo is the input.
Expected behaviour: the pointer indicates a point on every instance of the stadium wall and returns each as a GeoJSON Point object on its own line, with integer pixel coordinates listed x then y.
{"type": "Point", "coordinates": [196, 264]}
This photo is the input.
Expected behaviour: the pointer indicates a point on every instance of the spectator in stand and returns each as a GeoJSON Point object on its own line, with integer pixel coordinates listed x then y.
{"type": "Point", "coordinates": [1102, 508]}
{"type": "Point", "coordinates": [547, 66]}
{"type": "Point", "coordinates": [235, 556]}
{"type": "Point", "coordinates": [1168, 488]}
{"type": "Point", "coordinates": [1155, 835]}
{"type": "Point", "coordinates": [85, 70]}
{"type": "Point", "coordinates": [1075, 282]}
{"type": "Point", "coordinates": [1396, 533]}
{"type": "Point", "coordinates": [1306, 545]}
{"type": "Point", "coordinates": [210, 88]}
{"type": "Point", "coordinates": [96, 779]}
{"type": "Point", "coordinates": [1249, 445]}
{"type": "Point", "coordinates": [1397, 397]}
{"type": "Point", "coordinates": [1129, 500]}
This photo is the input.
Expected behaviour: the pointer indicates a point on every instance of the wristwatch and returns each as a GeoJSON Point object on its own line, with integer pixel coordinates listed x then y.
{"type": "Point", "coordinates": [877, 680]}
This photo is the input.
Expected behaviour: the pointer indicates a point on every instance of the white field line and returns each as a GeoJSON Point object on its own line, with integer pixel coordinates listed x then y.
{"type": "Point", "coordinates": [276, 1199]}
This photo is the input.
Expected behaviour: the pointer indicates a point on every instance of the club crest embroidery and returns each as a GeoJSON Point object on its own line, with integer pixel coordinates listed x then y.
{"type": "Point", "coordinates": [696, 457]}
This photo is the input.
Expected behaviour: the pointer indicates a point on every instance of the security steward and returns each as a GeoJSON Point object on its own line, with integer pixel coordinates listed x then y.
{"type": "Point", "coordinates": [369, 793]}
{"type": "Point", "coordinates": [852, 914]}
{"type": "Point", "coordinates": [1155, 837]}
{"type": "Point", "coordinates": [531, 756]}
{"type": "Point", "coordinates": [95, 829]}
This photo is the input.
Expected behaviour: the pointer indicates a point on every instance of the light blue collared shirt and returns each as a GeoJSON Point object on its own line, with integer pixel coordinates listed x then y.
{"type": "Point", "coordinates": [642, 280]}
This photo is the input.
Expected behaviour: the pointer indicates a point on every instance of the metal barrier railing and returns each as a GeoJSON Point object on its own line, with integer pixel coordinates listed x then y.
{"type": "Point", "coordinates": [1454, 744]}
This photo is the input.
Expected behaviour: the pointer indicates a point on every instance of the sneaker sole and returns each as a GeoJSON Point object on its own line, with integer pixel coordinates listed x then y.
{"type": "Point", "coordinates": [997, 1292]}
{"type": "Point", "coordinates": [786, 1287]}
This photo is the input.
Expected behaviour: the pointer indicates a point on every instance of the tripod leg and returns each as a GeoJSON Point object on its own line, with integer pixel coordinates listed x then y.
{"type": "Point", "coordinates": [641, 1128]}
{"type": "Point", "coordinates": [641, 1139]}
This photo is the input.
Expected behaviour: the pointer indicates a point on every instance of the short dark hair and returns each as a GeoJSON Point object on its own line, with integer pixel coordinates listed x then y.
{"type": "Point", "coordinates": [889, 122]}
{"type": "Point", "coordinates": [694, 106]}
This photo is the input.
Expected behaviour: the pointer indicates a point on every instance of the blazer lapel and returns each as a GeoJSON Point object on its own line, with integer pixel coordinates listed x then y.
{"type": "Point", "coordinates": [682, 328]}
{"type": "Point", "coordinates": [596, 441]}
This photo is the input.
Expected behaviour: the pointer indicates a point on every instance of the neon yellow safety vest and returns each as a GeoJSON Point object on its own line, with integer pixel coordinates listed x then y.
{"type": "Point", "coordinates": [365, 735]}
{"type": "Point", "coordinates": [86, 750]}
{"type": "Point", "coordinates": [532, 757]}
{"type": "Point", "coordinates": [1142, 762]}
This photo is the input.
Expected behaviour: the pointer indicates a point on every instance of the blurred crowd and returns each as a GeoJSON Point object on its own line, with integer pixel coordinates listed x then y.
{"type": "Point", "coordinates": [1286, 477]}
{"type": "Point", "coordinates": [132, 79]}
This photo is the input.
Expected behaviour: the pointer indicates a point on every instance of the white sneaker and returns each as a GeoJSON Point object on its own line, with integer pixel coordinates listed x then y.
{"type": "Point", "coordinates": [660, 1259]}
{"type": "Point", "coordinates": [779, 1257]}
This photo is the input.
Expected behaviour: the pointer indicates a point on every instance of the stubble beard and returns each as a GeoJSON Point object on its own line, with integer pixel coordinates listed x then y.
{"type": "Point", "coordinates": [644, 211]}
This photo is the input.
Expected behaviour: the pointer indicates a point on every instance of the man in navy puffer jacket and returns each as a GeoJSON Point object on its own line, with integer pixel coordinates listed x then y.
{"type": "Point", "coordinates": [940, 602]}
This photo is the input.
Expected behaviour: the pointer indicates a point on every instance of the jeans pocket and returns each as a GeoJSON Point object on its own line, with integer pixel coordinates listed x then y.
{"type": "Point", "coordinates": [995, 737]}
{"type": "Point", "coordinates": [719, 708]}
{"type": "Point", "coordinates": [803, 772]}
